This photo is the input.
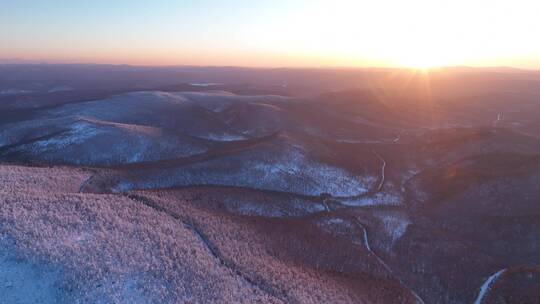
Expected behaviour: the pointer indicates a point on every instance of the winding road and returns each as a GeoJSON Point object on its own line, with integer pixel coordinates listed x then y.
{"type": "Point", "coordinates": [397, 139]}
{"type": "Point", "coordinates": [499, 118]}
{"type": "Point", "coordinates": [487, 286]}
{"type": "Point", "coordinates": [383, 168]}
{"type": "Point", "coordinates": [381, 261]}
{"type": "Point", "coordinates": [87, 181]}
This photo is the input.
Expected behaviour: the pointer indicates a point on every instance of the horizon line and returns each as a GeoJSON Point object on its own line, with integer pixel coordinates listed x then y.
{"type": "Point", "coordinates": [5, 62]}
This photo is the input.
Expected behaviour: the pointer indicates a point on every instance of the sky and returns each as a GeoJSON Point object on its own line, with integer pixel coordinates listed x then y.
{"type": "Point", "coordinates": [278, 33]}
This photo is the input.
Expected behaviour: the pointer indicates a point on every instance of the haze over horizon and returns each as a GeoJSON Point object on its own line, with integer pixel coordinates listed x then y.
{"type": "Point", "coordinates": [297, 33]}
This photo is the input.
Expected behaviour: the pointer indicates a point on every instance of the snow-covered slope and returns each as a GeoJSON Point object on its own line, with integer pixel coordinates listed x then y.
{"type": "Point", "coordinates": [85, 141]}
{"type": "Point", "coordinates": [63, 247]}
{"type": "Point", "coordinates": [196, 114]}
{"type": "Point", "coordinates": [281, 164]}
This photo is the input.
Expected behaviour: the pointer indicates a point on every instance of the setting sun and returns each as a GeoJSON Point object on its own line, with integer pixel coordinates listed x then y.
{"type": "Point", "coordinates": [421, 61]}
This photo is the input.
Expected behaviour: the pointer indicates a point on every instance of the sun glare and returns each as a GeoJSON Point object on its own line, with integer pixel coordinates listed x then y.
{"type": "Point", "coordinates": [421, 61]}
{"type": "Point", "coordinates": [420, 55]}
